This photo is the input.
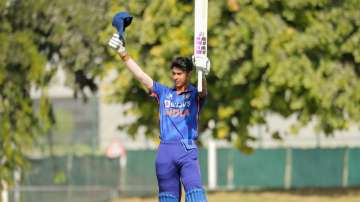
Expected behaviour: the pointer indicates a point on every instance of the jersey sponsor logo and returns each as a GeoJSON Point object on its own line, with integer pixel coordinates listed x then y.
{"type": "Point", "coordinates": [167, 103]}
{"type": "Point", "coordinates": [183, 104]}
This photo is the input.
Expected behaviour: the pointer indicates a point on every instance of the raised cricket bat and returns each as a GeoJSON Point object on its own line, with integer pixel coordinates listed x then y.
{"type": "Point", "coordinates": [200, 35]}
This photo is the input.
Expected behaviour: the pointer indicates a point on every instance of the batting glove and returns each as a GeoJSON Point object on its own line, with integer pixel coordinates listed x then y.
{"type": "Point", "coordinates": [117, 43]}
{"type": "Point", "coordinates": [202, 63]}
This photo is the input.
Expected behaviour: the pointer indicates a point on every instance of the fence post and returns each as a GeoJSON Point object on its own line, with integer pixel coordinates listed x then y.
{"type": "Point", "coordinates": [230, 170]}
{"type": "Point", "coordinates": [212, 165]}
{"type": "Point", "coordinates": [4, 192]}
{"type": "Point", "coordinates": [288, 169]}
{"type": "Point", "coordinates": [17, 178]}
{"type": "Point", "coordinates": [123, 163]}
{"type": "Point", "coordinates": [345, 177]}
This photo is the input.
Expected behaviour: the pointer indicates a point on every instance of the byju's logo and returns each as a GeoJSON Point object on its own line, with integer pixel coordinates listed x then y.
{"type": "Point", "coordinates": [167, 103]}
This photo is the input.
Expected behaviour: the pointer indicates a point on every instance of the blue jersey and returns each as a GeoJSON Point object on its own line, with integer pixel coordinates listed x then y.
{"type": "Point", "coordinates": [179, 113]}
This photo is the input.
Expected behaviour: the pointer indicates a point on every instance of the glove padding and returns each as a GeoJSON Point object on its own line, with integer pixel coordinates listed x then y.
{"type": "Point", "coordinates": [117, 43]}
{"type": "Point", "coordinates": [202, 63]}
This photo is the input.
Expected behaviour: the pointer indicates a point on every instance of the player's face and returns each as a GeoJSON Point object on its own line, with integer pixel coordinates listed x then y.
{"type": "Point", "coordinates": [180, 77]}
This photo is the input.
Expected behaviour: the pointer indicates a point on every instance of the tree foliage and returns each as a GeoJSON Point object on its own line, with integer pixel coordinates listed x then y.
{"type": "Point", "coordinates": [37, 38]}
{"type": "Point", "coordinates": [268, 56]}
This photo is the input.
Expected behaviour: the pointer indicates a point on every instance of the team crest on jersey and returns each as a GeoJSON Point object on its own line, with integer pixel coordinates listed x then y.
{"type": "Point", "coordinates": [187, 95]}
{"type": "Point", "coordinates": [169, 96]}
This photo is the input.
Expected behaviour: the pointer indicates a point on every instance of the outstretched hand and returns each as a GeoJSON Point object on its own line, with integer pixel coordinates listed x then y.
{"type": "Point", "coordinates": [202, 63]}
{"type": "Point", "coordinates": [117, 43]}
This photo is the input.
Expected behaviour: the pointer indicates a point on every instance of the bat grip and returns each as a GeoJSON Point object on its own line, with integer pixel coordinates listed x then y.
{"type": "Point", "coordinates": [199, 81]}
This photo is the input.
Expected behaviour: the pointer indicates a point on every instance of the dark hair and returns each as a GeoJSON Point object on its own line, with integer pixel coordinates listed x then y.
{"type": "Point", "coordinates": [183, 63]}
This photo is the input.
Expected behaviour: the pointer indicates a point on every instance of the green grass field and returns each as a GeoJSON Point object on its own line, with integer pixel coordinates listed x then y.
{"type": "Point", "coordinates": [328, 195]}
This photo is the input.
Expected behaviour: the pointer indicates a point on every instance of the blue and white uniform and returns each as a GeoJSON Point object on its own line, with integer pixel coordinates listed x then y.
{"type": "Point", "coordinates": [179, 114]}
{"type": "Point", "coordinates": [177, 156]}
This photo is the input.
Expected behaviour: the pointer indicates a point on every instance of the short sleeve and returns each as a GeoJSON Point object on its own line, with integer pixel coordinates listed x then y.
{"type": "Point", "coordinates": [158, 89]}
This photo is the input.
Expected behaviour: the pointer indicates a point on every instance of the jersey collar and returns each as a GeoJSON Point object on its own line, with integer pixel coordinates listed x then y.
{"type": "Point", "coordinates": [189, 88]}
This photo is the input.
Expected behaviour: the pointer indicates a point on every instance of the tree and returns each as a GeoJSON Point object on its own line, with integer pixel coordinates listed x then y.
{"type": "Point", "coordinates": [288, 57]}
{"type": "Point", "coordinates": [268, 56]}
{"type": "Point", "coordinates": [36, 39]}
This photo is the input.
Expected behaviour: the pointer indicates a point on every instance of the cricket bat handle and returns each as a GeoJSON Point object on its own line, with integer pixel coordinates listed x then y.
{"type": "Point", "coordinates": [200, 78]}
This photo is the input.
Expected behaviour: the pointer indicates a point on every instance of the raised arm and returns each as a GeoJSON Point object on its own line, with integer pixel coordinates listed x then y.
{"type": "Point", "coordinates": [118, 44]}
{"type": "Point", "coordinates": [136, 70]}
